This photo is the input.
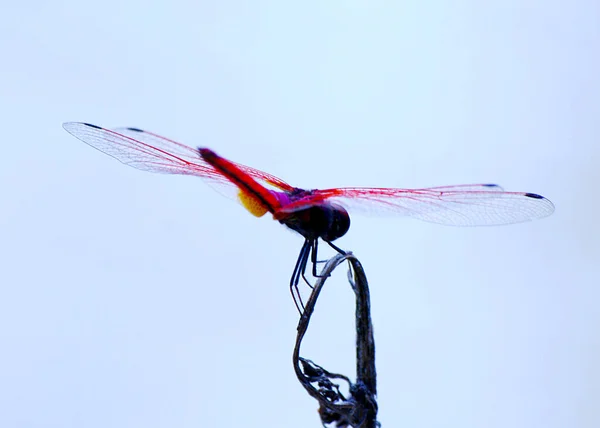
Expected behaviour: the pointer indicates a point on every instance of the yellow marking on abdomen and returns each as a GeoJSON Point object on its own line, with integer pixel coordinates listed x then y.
{"type": "Point", "coordinates": [252, 204]}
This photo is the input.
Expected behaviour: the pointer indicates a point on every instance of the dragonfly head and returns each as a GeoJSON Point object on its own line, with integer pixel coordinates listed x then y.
{"type": "Point", "coordinates": [339, 225]}
{"type": "Point", "coordinates": [325, 220]}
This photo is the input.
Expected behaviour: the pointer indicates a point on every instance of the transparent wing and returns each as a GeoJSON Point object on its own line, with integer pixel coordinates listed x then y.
{"type": "Point", "coordinates": [150, 152]}
{"type": "Point", "coordinates": [462, 205]}
{"type": "Point", "coordinates": [468, 205]}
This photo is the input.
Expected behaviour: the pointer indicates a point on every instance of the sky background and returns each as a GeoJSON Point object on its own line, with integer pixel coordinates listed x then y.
{"type": "Point", "coordinates": [130, 299]}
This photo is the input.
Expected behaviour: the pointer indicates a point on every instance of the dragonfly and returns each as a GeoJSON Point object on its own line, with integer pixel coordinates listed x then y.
{"type": "Point", "coordinates": [316, 213]}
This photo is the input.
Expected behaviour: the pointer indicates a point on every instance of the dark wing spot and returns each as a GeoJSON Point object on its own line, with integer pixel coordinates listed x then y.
{"type": "Point", "coordinates": [534, 196]}
{"type": "Point", "coordinates": [491, 185]}
{"type": "Point", "coordinates": [92, 126]}
{"type": "Point", "coordinates": [136, 129]}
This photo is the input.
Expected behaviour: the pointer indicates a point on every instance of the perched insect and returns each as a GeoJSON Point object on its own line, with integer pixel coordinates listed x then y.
{"type": "Point", "coordinates": [314, 214]}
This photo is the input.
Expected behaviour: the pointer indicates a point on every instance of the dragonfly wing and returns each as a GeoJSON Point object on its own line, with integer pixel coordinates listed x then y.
{"type": "Point", "coordinates": [150, 152]}
{"type": "Point", "coordinates": [170, 145]}
{"type": "Point", "coordinates": [462, 205]}
{"type": "Point", "coordinates": [140, 150]}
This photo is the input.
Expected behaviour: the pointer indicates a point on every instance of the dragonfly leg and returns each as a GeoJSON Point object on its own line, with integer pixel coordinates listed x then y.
{"type": "Point", "coordinates": [313, 257]}
{"type": "Point", "coordinates": [314, 260]}
{"type": "Point", "coordinates": [309, 250]}
{"type": "Point", "coordinates": [299, 270]}
{"type": "Point", "coordinates": [336, 248]}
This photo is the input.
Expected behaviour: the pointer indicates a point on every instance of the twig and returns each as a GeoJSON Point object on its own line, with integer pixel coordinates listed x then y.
{"type": "Point", "coordinates": [360, 409]}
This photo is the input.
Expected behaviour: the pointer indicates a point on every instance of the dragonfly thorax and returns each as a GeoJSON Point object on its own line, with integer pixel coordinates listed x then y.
{"type": "Point", "coordinates": [325, 221]}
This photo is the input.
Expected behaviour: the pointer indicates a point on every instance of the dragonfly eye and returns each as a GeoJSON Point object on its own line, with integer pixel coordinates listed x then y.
{"type": "Point", "coordinates": [340, 223]}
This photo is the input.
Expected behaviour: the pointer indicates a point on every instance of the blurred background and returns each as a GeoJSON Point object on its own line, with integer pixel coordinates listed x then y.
{"type": "Point", "coordinates": [133, 299]}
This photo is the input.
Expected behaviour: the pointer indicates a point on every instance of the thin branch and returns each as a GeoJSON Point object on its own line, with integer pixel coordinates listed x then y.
{"type": "Point", "coordinates": [360, 409]}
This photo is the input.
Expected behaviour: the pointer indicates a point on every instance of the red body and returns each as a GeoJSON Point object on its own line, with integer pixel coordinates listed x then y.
{"type": "Point", "coordinates": [313, 213]}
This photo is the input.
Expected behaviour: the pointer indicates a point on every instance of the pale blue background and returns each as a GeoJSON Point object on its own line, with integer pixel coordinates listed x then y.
{"type": "Point", "coordinates": [136, 300]}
